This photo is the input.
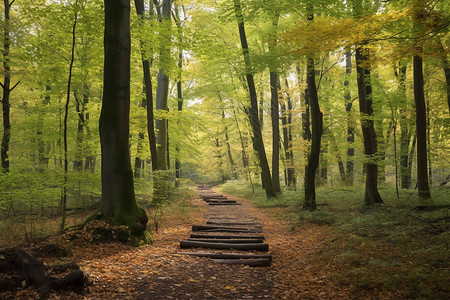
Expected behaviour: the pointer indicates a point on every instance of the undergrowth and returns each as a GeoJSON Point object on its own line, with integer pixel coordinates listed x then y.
{"type": "Point", "coordinates": [389, 248]}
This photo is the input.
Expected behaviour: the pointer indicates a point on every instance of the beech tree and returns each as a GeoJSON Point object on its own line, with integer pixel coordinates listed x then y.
{"type": "Point", "coordinates": [118, 203]}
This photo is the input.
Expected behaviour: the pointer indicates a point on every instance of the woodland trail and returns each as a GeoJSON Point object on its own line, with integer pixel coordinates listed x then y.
{"type": "Point", "coordinates": [157, 272]}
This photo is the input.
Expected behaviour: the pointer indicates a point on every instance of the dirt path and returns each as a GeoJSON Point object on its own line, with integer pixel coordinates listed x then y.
{"type": "Point", "coordinates": [157, 272]}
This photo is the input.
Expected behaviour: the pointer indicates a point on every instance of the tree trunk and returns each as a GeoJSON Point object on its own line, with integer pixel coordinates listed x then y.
{"type": "Point", "coordinates": [230, 156]}
{"type": "Point", "coordinates": [421, 129]}
{"type": "Point", "coordinates": [372, 195]}
{"type": "Point", "coordinates": [148, 89]}
{"type": "Point", "coordinates": [162, 92]}
{"type": "Point", "coordinates": [6, 85]}
{"type": "Point", "coordinates": [405, 132]}
{"type": "Point", "coordinates": [179, 93]}
{"type": "Point", "coordinates": [253, 111]}
{"type": "Point", "coordinates": [274, 111]}
{"type": "Point", "coordinates": [286, 122]}
{"type": "Point", "coordinates": [349, 173]}
{"type": "Point", "coordinates": [42, 157]}
{"type": "Point", "coordinates": [118, 203]}
{"type": "Point", "coordinates": [316, 135]}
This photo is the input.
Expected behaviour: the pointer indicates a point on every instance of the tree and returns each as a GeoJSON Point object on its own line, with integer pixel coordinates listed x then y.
{"type": "Point", "coordinates": [309, 202]}
{"type": "Point", "coordinates": [162, 92]}
{"type": "Point", "coordinates": [7, 89]}
{"type": "Point", "coordinates": [253, 110]}
{"type": "Point", "coordinates": [372, 195]}
{"type": "Point", "coordinates": [421, 113]}
{"type": "Point", "coordinates": [118, 203]}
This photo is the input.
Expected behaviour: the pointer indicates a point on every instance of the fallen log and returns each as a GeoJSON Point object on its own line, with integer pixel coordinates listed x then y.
{"type": "Point", "coordinates": [258, 262]}
{"type": "Point", "coordinates": [219, 255]}
{"type": "Point", "coordinates": [253, 246]}
{"type": "Point", "coordinates": [233, 241]}
{"type": "Point", "coordinates": [35, 274]}
{"type": "Point", "coordinates": [227, 236]}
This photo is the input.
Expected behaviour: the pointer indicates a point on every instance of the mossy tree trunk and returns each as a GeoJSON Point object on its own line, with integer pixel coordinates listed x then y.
{"type": "Point", "coordinates": [118, 203]}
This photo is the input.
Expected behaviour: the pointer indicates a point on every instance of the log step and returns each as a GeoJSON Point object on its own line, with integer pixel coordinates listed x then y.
{"type": "Point", "coordinates": [233, 223]}
{"type": "Point", "coordinates": [219, 255]}
{"type": "Point", "coordinates": [259, 262]}
{"type": "Point", "coordinates": [253, 246]}
{"type": "Point", "coordinates": [224, 204]}
{"type": "Point", "coordinates": [216, 228]}
{"type": "Point", "coordinates": [230, 241]}
{"type": "Point", "coordinates": [219, 201]}
{"type": "Point", "coordinates": [225, 236]}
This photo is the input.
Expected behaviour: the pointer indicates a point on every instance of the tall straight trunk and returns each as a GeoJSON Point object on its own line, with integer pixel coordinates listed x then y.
{"type": "Point", "coordinates": [219, 157]}
{"type": "Point", "coordinates": [253, 111]}
{"type": "Point", "coordinates": [274, 114]}
{"type": "Point", "coordinates": [286, 122]}
{"type": "Point", "coordinates": [80, 108]}
{"type": "Point", "coordinates": [370, 140]}
{"type": "Point", "coordinates": [309, 202]}
{"type": "Point", "coordinates": [421, 128]}
{"type": "Point", "coordinates": [6, 85]}
{"type": "Point", "coordinates": [162, 91]}
{"type": "Point", "coordinates": [179, 94]}
{"type": "Point", "coordinates": [118, 202]}
{"type": "Point", "coordinates": [349, 173]}
{"type": "Point", "coordinates": [244, 154]}
{"type": "Point", "coordinates": [363, 69]}
{"type": "Point", "coordinates": [274, 110]}
{"type": "Point", "coordinates": [66, 114]}
{"type": "Point", "coordinates": [405, 131]}
{"type": "Point", "coordinates": [227, 142]}
{"type": "Point", "coordinates": [148, 89]}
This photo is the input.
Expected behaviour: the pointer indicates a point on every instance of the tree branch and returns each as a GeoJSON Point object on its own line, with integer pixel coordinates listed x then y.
{"type": "Point", "coordinates": [11, 89]}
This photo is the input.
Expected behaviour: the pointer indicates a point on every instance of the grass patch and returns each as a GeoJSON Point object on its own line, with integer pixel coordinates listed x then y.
{"type": "Point", "coordinates": [392, 248]}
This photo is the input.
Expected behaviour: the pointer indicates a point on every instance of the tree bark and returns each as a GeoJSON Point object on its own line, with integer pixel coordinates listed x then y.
{"type": "Point", "coordinates": [162, 91]}
{"type": "Point", "coordinates": [286, 122]}
{"type": "Point", "coordinates": [349, 173]}
{"type": "Point", "coordinates": [372, 195]}
{"type": "Point", "coordinates": [309, 202]}
{"type": "Point", "coordinates": [405, 132]}
{"type": "Point", "coordinates": [6, 85]}
{"type": "Point", "coordinates": [421, 129]}
{"type": "Point", "coordinates": [118, 203]}
{"type": "Point", "coordinates": [253, 111]}
{"type": "Point", "coordinates": [274, 110]}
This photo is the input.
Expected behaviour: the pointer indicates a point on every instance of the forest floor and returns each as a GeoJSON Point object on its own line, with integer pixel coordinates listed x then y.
{"type": "Point", "coordinates": [300, 269]}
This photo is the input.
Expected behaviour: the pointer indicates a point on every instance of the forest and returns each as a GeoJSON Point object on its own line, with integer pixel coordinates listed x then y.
{"type": "Point", "coordinates": [327, 120]}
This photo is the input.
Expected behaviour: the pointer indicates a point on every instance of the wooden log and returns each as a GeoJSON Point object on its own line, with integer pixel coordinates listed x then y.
{"type": "Point", "coordinates": [233, 223]}
{"type": "Point", "coordinates": [258, 262]}
{"type": "Point", "coordinates": [232, 241]}
{"type": "Point", "coordinates": [253, 246]}
{"type": "Point", "coordinates": [219, 255]}
{"type": "Point", "coordinates": [216, 228]}
{"type": "Point", "coordinates": [213, 196]}
{"type": "Point", "coordinates": [219, 201]}
{"type": "Point", "coordinates": [224, 204]}
{"type": "Point", "coordinates": [225, 236]}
